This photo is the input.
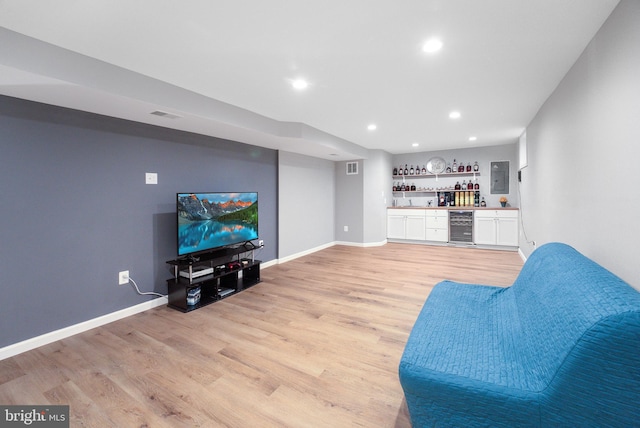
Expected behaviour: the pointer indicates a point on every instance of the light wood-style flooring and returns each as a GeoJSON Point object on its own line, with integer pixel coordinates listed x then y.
{"type": "Point", "coordinates": [316, 344]}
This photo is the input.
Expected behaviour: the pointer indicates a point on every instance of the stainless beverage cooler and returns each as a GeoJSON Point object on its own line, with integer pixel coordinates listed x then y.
{"type": "Point", "coordinates": [461, 226]}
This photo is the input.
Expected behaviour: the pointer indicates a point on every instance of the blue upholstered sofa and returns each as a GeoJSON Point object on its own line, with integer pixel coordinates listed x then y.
{"type": "Point", "coordinates": [560, 347]}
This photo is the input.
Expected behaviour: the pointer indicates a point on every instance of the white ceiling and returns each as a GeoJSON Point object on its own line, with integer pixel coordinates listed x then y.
{"type": "Point", "coordinates": [225, 66]}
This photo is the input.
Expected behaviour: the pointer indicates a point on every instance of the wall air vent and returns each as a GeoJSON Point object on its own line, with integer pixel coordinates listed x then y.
{"type": "Point", "coordinates": [352, 168]}
{"type": "Point", "coordinates": [165, 114]}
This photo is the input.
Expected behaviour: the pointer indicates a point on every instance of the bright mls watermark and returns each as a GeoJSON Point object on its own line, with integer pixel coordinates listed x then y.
{"type": "Point", "coordinates": [34, 416]}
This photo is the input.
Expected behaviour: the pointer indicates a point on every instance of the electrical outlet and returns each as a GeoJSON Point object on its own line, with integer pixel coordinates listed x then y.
{"type": "Point", "coordinates": [261, 243]}
{"type": "Point", "coordinates": [346, 228]}
{"type": "Point", "coordinates": [123, 277]}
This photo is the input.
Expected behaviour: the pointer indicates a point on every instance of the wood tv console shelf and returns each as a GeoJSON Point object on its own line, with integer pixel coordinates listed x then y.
{"type": "Point", "coordinates": [209, 277]}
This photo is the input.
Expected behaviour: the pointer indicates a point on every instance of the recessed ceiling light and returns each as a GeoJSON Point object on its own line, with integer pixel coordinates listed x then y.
{"type": "Point", "coordinates": [432, 45]}
{"type": "Point", "coordinates": [415, 144]}
{"type": "Point", "coordinates": [473, 138]}
{"type": "Point", "coordinates": [372, 127]}
{"type": "Point", "coordinates": [299, 84]}
{"type": "Point", "coordinates": [454, 115]}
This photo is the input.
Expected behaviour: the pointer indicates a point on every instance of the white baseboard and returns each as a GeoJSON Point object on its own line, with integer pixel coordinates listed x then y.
{"type": "Point", "coordinates": [522, 256]}
{"type": "Point", "coordinates": [269, 263]}
{"type": "Point", "coordinates": [322, 247]}
{"type": "Point", "coordinates": [361, 244]}
{"type": "Point", "coordinates": [45, 339]}
{"type": "Point", "coordinates": [305, 253]}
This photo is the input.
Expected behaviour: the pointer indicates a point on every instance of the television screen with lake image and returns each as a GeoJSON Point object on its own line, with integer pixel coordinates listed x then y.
{"type": "Point", "coordinates": [207, 221]}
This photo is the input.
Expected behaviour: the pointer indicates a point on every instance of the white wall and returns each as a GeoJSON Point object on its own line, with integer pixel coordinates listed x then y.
{"type": "Point", "coordinates": [581, 182]}
{"type": "Point", "coordinates": [306, 195]}
{"type": "Point", "coordinates": [484, 156]}
{"type": "Point", "coordinates": [377, 196]}
{"type": "Point", "coordinates": [349, 203]}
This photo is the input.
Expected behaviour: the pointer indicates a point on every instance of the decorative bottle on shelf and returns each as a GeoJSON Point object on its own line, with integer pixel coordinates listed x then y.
{"type": "Point", "coordinates": [476, 167]}
{"type": "Point", "coordinates": [483, 203]}
{"type": "Point", "coordinates": [464, 185]}
{"type": "Point", "coordinates": [394, 186]}
{"type": "Point", "coordinates": [411, 171]}
{"type": "Point", "coordinates": [424, 170]}
{"type": "Point", "coordinates": [413, 187]}
{"type": "Point", "coordinates": [469, 167]}
{"type": "Point", "coordinates": [455, 166]}
{"type": "Point", "coordinates": [470, 185]}
{"type": "Point", "coordinates": [476, 186]}
{"type": "Point", "coordinates": [448, 168]}
{"type": "Point", "coordinates": [402, 187]}
{"type": "Point", "coordinates": [395, 171]}
{"type": "Point", "coordinates": [461, 167]}
{"type": "Point", "coordinates": [406, 170]}
{"type": "Point", "coordinates": [476, 199]}
{"type": "Point", "coordinates": [400, 171]}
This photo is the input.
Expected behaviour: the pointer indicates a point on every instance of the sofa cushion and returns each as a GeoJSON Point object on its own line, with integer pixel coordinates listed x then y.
{"type": "Point", "coordinates": [462, 343]}
{"type": "Point", "coordinates": [467, 330]}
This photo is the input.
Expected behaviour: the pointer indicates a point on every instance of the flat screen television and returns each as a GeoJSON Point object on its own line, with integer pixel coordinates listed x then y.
{"type": "Point", "coordinates": [207, 221]}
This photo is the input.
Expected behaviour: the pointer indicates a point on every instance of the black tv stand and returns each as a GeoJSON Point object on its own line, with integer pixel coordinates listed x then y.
{"type": "Point", "coordinates": [249, 246]}
{"type": "Point", "coordinates": [190, 259]}
{"type": "Point", "coordinates": [217, 274]}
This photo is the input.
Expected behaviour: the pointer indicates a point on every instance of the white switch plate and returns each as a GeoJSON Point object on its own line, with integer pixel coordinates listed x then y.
{"type": "Point", "coordinates": [346, 228]}
{"type": "Point", "coordinates": [151, 178]}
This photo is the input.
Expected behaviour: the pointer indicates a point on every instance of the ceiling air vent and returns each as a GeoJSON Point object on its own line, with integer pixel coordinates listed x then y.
{"type": "Point", "coordinates": [165, 114]}
{"type": "Point", "coordinates": [352, 168]}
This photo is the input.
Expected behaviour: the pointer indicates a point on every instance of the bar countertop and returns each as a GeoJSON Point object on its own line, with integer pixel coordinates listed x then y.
{"type": "Point", "coordinates": [461, 208]}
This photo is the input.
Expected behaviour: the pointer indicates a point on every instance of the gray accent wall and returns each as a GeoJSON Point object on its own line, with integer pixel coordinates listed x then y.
{"type": "Point", "coordinates": [306, 207]}
{"type": "Point", "coordinates": [583, 152]}
{"type": "Point", "coordinates": [76, 210]}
